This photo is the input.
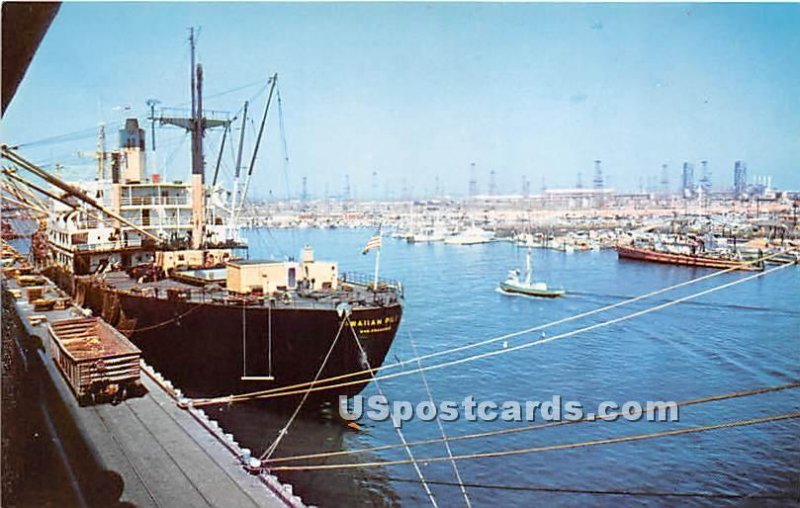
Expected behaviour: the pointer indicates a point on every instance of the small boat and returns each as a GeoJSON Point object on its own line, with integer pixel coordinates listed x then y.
{"type": "Point", "coordinates": [470, 236]}
{"type": "Point", "coordinates": [514, 285]}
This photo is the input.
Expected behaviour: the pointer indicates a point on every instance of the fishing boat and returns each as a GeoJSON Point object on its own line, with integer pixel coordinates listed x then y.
{"type": "Point", "coordinates": [165, 264]}
{"type": "Point", "coordinates": [514, 285]}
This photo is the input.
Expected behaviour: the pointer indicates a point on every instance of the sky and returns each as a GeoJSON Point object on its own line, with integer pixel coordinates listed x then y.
{"type": "Point", "coordinates": [401, 97]}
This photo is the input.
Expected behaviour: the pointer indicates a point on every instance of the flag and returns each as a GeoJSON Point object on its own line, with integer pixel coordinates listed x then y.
{"type": "Point", "coordinates": [373, 243]}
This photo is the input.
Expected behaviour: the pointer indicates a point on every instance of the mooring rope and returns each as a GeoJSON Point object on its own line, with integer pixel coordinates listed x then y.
{"type": "Point", "coordinates": [410, 454]}
{"type": "Point", "coordinates": [610, 417]}
{"type": "Point", "coordinates": [441, 429]}
{"type": "Point", "coordinates": [606, 492]}
{"type": "Point", "coordinates": [489, 354]}
{"type": "Point", "coordinates": [285, 430]}
{"type": "Point", "coordinates": [540, 449]}
{"type": "Point", "coordinates": [161, 324]}
{"type": "Point", "coordinates": [288, 388]}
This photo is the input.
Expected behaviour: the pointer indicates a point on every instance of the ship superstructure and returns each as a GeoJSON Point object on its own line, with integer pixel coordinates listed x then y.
{"type": "Point", "coordinates": [160, 215]}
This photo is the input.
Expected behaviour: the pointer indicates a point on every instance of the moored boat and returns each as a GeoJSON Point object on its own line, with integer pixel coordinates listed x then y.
{"type": "Point", "coordinates": [699, 260]}
{"type": "Point", "coordinates": [470, 236]}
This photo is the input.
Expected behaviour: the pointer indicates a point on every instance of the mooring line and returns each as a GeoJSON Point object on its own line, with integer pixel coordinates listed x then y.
{"type": "Point", "coordinates": [441, 428]}
{"type": "Point", "coordinates": [527, 428]}
{"type": "Point", "coordinates": [490, 354]}
{"type": "Point", "coordinates": [604, 492]}
{"type": "Point", "coordinates": [285, 430]}
{"type": "Point", "coordinates": [290, 388]}
{"type": "Point", "coordinates": [540, 449]}
{"type": "Point", "coordinates": [410, 454]}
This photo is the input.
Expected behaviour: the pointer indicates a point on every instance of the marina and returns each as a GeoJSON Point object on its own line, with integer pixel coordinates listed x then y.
{"type": "Point", "coordinates": [196, 315]}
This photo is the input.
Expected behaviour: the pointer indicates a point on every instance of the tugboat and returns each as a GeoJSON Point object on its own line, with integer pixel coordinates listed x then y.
{"type": "Point", "coordinates": [163, 263]}
{"type": "Point", "coordinates": [513, 285]}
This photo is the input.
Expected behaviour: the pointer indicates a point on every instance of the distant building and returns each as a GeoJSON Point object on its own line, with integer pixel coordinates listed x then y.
{"type": "Point", "coordinates": [576, 198]}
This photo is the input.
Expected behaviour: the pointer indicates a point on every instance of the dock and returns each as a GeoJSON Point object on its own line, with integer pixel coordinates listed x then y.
{"type": "Point", "coordinates": [144, 450]}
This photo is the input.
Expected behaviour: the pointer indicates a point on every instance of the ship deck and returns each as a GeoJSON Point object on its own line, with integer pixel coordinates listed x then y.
{"type": "Point", "coordinates": [355, 294]}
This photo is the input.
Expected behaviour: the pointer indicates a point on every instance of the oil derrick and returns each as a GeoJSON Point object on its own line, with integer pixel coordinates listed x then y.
{"type": "Point", "coordinates": [664, 179]}
{"type": "Point", "coordinates": [304, 193]}
{"type": "Point", "coordinates": [473, 182]}
{"type": "Point", "coordinates": [740, 178]}
{"type": "Point", "coordinates": [687, 180]}
{"type": "Point", "coordinates": [346, 190]}
{"type": "Point", "coordinates": [705, 179]}
{"type": "Point", "coordinates": [492, 183]}
{"type": "Point", "coordinates": [526, 187]}
{"type": "Point", "coordinates": [598, 183]}
{"type": "Point", "coordinates": [579, 183]}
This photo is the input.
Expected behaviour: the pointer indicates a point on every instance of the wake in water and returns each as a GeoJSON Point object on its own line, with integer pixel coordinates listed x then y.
{"type": "Point", "coordinates": [736, 306]}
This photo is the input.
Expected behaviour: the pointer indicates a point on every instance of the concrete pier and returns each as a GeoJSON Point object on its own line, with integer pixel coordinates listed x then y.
{"type": "Point", "coordinates": [142, 451]}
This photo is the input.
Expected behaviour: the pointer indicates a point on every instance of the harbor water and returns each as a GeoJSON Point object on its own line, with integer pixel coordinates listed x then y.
{"type": "Point", "coordinates": [739, 338]}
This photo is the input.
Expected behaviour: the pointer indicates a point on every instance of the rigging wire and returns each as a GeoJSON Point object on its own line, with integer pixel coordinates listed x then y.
{"type": "Point", "coordinates": [281, 392]}
{"type": "Point", "coordinates": [610, 417]}
{"type": "Point", "coordinates": [69, 136]}
{"type": "Point", "coordinates": [171, 157]}
{"type": "Point", "coordinates": [549, 448]}
{"type": "Point", "coordinates": [285, 164]}
{"type": "Point", "coordinates": [520, 332]}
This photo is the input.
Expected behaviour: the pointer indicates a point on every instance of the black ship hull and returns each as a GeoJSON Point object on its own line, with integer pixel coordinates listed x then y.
{"type": "Point", "coordinates": [209, 349]}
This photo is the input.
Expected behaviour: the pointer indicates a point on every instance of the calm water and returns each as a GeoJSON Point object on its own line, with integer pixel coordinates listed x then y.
{"type": "Point", "coordinates": [739, 338]}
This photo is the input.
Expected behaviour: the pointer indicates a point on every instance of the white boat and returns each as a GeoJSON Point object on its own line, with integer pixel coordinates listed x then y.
{"type": "Point", "coordinates": [426, 235]}
{"type": "Point", "coordinates": [470, 236]}
{"type": "Point", "coordinates": [514, 285]}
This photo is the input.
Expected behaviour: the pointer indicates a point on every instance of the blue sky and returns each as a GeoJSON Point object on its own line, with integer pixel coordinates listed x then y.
{"type": "Point", "coordinates": [417, 91]}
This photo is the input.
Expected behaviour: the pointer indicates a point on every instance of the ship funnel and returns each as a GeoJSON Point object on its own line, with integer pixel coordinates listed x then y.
{"type": "Point", "coordinates": [131, 143]}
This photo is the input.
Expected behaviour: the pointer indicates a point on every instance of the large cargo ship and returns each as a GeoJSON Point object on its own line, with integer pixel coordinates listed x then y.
{"type": "Point", "coordinates": [164, 263]}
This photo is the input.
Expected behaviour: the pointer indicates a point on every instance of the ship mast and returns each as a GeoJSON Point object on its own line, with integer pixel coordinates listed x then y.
{"type": "Point", "coordinates": [101, 151]}
{"type": "Point", "coordinates": [196, 124]}
{"type": "Point", "coordinates": [528, 267]}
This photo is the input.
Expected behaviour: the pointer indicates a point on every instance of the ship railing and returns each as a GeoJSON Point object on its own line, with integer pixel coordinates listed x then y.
{"type": "Point", "coordinates": [368, 281]}
{"type": "Point", "coordinates": [221, 297]}
{"type": "Point", "coordinates": [155, 201]}
{"type": "Point", "coordinates": [103, 246]}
